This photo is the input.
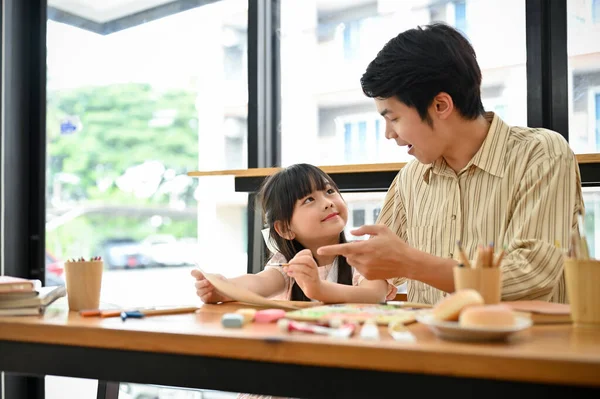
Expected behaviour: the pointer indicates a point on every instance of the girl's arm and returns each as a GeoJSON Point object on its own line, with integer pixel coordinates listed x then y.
{"type": "Point", "coordinates": [267, 283]}
{"type": "Point", "coordinates": [368, 291]}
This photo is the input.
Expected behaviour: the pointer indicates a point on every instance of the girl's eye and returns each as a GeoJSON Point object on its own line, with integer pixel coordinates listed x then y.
{"type": "Point", "coordinates": [331, 191]}
{"type": "Point", "coordinates": [307, 200]}
{"type": "Point", "coordinates": [394, 120]}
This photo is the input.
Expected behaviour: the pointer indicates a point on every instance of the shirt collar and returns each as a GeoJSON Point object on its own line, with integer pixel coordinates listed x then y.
{"type": "Point", "coordinates": [489, 157]}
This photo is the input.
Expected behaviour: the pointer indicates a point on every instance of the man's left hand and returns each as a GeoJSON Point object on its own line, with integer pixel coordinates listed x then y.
{"type": "Point", "coordinates": [383, 256]}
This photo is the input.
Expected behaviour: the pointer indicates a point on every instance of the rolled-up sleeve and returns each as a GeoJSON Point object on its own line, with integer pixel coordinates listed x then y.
{"type": "Point", "coordinates": [545, 212]}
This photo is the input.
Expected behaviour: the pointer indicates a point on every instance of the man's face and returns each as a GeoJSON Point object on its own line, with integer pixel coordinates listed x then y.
{"type": "Point", "coordinates": [404, 125]}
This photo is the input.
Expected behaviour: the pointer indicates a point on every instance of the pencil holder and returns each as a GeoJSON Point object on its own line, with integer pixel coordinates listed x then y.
{"type": "Point", "coordinates": [487, 281]}
{"type": "Point", "coordinates": [84, 282]}
{"type": "Point", "coordinates": [582, 277]}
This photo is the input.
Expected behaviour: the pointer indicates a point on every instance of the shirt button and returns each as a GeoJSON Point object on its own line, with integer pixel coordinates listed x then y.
{"type": "Point", "coordinates": [453, 217]}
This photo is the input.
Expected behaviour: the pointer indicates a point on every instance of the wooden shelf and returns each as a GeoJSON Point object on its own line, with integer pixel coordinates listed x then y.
{"type": "Point", "coordinates": [341, 169]}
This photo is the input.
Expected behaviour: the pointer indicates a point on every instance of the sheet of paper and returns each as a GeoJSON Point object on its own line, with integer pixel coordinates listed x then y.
{"type": "Point", "coordinates": [241, 294]}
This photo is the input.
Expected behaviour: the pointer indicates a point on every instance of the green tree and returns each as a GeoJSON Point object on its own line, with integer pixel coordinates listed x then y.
{"type": "Point", "coordinates": [123, 126]}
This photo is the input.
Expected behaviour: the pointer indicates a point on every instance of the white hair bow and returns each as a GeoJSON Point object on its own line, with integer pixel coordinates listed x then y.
{"type": "Point", "coordinates": [269, 241]}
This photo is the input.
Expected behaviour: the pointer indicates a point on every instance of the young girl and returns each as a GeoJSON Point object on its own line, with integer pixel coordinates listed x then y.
{"type": "Point", "coordinates": [304, 210]}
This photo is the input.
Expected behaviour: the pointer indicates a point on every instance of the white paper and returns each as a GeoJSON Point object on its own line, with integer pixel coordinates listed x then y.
{"type": "Point", "coordinates": [241, 294]}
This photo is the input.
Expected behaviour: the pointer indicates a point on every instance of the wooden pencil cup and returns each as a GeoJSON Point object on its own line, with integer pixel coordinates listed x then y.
{"type": "Point", "coordinates": [583, 280]}
{"type": "Point", "coordinates": [84, 282]}
{"type": "Point", "coordinates": [487, 281]}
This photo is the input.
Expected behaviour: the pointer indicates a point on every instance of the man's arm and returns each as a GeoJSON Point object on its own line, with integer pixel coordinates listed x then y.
{"type": "Point", "coordinates": [546, 201]}
{"type": "Point", "coordinates": [547, 204]}
{"type": "Point", "coordinates": [549, 195]}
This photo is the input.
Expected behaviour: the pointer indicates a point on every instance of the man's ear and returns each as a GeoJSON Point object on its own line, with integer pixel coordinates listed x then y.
{"type": "Point", "coordinates": [442, 105]}
{"type": "Point", "coordinates": [283, 232]}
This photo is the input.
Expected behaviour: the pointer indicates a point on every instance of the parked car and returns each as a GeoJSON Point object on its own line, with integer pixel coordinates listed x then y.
{"type": "Point", "coordinates": [166, 250]}
{"type": "Point", "coordinates": [123, 253]}
{"type": "Point", "coordinates": [162, 249]}
{"type": "Point", "coordinates": [54, 270]}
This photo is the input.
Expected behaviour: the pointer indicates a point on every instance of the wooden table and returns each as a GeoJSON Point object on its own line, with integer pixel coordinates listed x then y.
{"type": "Point", "coordinates": [193, 350]}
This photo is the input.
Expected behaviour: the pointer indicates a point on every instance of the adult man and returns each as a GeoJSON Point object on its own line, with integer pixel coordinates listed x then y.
{"type": "Point", "coordinates": [475, 179]}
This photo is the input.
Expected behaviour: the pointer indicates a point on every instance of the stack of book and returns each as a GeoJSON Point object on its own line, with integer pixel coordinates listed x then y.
{"type": "Point", "coordinates": [22, 297]}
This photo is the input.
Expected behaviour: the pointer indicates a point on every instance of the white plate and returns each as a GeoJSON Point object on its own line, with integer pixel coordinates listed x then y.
{"type": "Point", "coordinates": [453, 331]}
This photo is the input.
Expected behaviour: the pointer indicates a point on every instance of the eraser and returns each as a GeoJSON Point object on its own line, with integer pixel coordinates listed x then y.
{"type": "Point", "coordinates": [247, 313]}
{"type": "Point", "coordinates": [268, 315]}
{"type": "Point", "coordinates": [232, 320]}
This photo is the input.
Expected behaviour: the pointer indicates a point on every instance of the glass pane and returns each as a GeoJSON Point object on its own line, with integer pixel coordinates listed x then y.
{"type": "Point", "coordinates": [327, 44]}
{"type": "Point", "coordinates": [583, 49]}
{"type": "Point", "coordinates": [591, 198]}
{"type": "Point", "coordinates": [132, 106]}
{"type": "Point", "coordinates": [139, 391]}
{"type": "Point", "coordinates": [363, 208]}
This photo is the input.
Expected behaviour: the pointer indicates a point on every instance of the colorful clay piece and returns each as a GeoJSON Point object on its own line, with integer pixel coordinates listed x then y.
{"type": "Point", "coordinates": [232, 320]}
{"type": "Point", "coordinates": [269, 315]}
{"type": "Point", "coordinates": [380, 314]}
{"type": "Point", "coordinates": [247, 313]}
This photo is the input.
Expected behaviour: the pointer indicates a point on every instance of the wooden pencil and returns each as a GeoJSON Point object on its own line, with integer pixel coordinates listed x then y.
{"type": "Point", "coordinates": [500, 257]}
{"type": "Point", "coordinates": [462, 255]}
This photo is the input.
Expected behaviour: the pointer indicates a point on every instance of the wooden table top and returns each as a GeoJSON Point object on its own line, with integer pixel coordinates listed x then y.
{"type": "Point", "coordinates": [559, 354]}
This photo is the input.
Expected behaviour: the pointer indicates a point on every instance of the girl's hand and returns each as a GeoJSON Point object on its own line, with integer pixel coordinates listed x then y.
{"type": "Point", "coordinates": [304, 270]}
{"type": "Point", "coordinates": [205, 290]}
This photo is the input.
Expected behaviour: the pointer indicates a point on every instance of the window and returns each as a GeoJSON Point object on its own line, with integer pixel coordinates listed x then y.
{"type": "Point", "coordinates": [355, 140]}
{"type": "Point", "coordinates": [460, 16]}
{"type": "Point", "coordinates": [583, 50]}
{"type": "Point", "coordinates": [594, 119]}
{"type": "Point", "coordinates": [591, 198]}
{"type": "Point", "coordinates": [376, 212]}
{"type": "Point", "coordinates": [351, 31]}
{"type": "Point", "coordinates": [451, 12]}
{"type": "Point", "coordinates": [361, 136]}
{"type": "Point", "coordinates": [363, 209]}
{"type": "Point", "coordinates": [358, 217]}
{"type": "Point", "coordinates": [129, 113]}
{"type": "Point", "coordinates": [596, 11]}
{"type": "Point", "coordinates": [331, 42]}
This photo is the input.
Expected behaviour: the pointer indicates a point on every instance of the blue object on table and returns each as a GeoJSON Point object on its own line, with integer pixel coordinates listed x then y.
{"type": "Point", "coordinates": [134, 314]}
{"type": "Point", "coordinates": [232, 320]}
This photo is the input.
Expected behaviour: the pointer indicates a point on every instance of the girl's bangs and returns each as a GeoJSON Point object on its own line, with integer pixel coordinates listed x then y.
{"type": "Point", "coordinates": [305, 180]}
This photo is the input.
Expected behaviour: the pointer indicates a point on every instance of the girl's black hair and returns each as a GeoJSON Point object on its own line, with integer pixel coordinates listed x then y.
{"type": "Point", "coordinates": [278, 196]}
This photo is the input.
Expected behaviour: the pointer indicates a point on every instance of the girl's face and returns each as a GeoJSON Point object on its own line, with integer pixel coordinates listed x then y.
{"type": "Point", "coordinates": [319, 217]}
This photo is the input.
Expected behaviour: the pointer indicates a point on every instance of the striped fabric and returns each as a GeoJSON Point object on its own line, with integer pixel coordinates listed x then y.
{"type": "Point", "coordinates": [522, 189]}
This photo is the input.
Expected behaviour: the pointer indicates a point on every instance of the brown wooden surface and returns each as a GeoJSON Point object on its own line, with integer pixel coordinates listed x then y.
{"type": "Point", "coordinates": [551, 353]}
{"type": "Point", "coordinates": [358, 168]}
